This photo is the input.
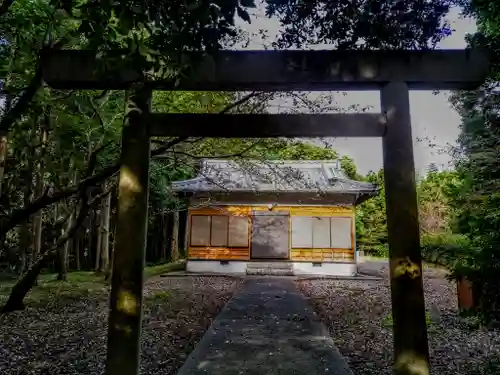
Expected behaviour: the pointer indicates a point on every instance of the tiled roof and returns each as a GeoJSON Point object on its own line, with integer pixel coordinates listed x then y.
{"type": "Point", "coordinates": [272, 176]}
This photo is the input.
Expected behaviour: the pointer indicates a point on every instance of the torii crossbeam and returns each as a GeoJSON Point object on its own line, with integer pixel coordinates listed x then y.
{"type": "Point", "coordinates": [394, 73]}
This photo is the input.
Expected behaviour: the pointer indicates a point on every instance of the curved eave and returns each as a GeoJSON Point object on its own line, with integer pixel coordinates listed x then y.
{"type": "Point", "coordinates": [210, 189]}
{"type": "Point", "coordinates": [365, 196]}
{"type": "Point", "coordinates": [194, 188]}
{"type": "Point", "coordinates": [201, 185]}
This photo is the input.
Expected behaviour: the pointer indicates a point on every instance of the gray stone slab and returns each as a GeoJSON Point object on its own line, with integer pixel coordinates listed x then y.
{"type": "Point", "coordinates": [268, 327]}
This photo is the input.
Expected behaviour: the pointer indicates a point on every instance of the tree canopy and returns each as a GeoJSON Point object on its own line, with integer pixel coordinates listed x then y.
{"type": "Point", "coordinates": [475, 198]}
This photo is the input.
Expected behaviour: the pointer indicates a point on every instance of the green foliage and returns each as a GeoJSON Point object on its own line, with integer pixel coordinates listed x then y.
{"type": "Point", "coordinates": [305, 151]}
{"type": "Point", "coordinates": [160, 269]}
{"type": "Point", "coordinates": [158, 297]}
{"type": "Point", "coordinates": [387, 321]}
{"type": "Point", "coordinates": [349, 168]}
{"type": "Point", "coordinates": [371, 225]}
{"type": "Point", "coordinates": [445, 249]}
{"type": "Point", "coordinates": [379, 250]}
{"type": "Point", "coordinates": [379, 24]}
{"type": "Point", "coordinates": [434, 191]}
{"type": "Point", "coordinates": [79, 285]}
{"type": "Point", "coordinates": [476, 198]}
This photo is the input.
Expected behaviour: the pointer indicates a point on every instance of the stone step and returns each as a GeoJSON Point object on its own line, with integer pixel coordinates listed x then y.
{"type": "Point", "coordinates": [273, 265]}
{"type": "Point", "coordinates": [270, 271]}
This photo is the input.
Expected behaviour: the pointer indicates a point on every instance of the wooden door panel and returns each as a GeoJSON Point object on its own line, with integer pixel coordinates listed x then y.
{"type": "Point", "coordinates": [270, 236]}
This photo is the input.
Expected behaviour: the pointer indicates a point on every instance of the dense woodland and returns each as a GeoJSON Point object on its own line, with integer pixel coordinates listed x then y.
{"type": "Point", "coordinates": [59, 150]}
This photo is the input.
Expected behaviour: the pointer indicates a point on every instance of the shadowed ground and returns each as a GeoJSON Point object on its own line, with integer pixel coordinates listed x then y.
{"type": "Point", "coordinates": [268, 327]}
{"type": "Point", "coordinates": [358, 316]}
{"type": "Point", "coordinates": [63, 330]}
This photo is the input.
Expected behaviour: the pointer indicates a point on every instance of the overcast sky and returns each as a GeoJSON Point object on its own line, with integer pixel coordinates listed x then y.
{"type": "Point", "coordinates": [433, 119]}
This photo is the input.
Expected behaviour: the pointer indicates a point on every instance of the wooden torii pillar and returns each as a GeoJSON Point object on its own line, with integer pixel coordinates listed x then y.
{"type": "Point", "coordinates": [394, 73]}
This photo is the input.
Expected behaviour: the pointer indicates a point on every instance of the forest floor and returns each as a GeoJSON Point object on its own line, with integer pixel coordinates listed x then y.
{"type": "Point", "coordinates": [358, 316]}
{"type": "Point", "coordinates": [63, 329]}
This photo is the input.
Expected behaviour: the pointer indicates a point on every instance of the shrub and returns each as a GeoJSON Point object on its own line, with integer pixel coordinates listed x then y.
{"type": "Point", "coordinates": [447, 250]}
{"type": "Point", "coordinates": [452, 251]}
{"type": "Point", "coordinates": [378, 250]}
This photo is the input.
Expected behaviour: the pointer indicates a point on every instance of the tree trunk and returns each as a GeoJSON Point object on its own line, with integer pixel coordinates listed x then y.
{"type": "Point", "coordinates": [63, 253]}
{"type": "Point", "coordinates": [22, 258]}
{"type": "Point", "coordinates": [183, 217]}
{"type": "Point", "coordinates": [39, 187]}
{"type": "Point", "coordinates": [76, 247]}
{"type": "Point", "coordinates": [112, 224]}
{"type": "Point", "coordinates": [105, 216]}
{"type": "Point", "coordinates": [174, 252]}
{"type": "Point", "coordinates": [109, 275]}
{"type": "Point", "coordinates": [23, 286]}
{"type": "Point", "coordinates": [165, 237]}
{"type": "Point", "coordinates": [88, 263]}
{"type": "Point", "coordinates": [97, 216]}
{"type": "Point", "coordinates": [26, 281]}
{"type": "Point", "coordinates": [3, 158]}
{"type": "Point", "coordinates": [125, 316]}
{"type": "Point", "coordinates": [25, 233]}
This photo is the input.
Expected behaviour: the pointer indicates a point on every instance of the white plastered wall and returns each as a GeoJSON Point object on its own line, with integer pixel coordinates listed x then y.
{"type": "Point", "coordinates": [215, 266]}
{"type": "Point", "coordinates": [327, 269]}
{"type": "Point", "coordinates": [299, 268]}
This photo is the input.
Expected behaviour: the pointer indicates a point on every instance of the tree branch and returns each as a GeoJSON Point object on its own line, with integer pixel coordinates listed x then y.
{"type": "Point", "coordinates": [27, 280]}
{"type": "Point", "coordinates": [18, 216]}
{"type": "Point", "coordinates": [226, 156]}
{"type": "Point", "coordinates": [19, 106]}
{"type": "Point", "coordinates": [48, 198]}
{"type": "Point", "coordinates": [4, 8]}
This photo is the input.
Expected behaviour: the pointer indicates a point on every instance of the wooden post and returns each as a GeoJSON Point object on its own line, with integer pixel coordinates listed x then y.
{"type": "Point", "coordinates": [187, 234]}
{"type": "Point", "coordinates": [125, 315]}
{"type": "Point", "coordinates": [182, 232]}
{"type": "Point", "coordinates": [465, 294]}
{"type": "Point", "coordinates": [174, 252]}
{"type": "Point", "coordinates": [408, 305]}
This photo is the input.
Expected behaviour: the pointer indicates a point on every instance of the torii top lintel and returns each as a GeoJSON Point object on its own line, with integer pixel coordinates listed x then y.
{"type": "Point", "coordinates": [319, 70]}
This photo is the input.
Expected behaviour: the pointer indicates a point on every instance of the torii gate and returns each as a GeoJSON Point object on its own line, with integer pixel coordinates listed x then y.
{"type": "Point", "coordinates": [394, 73]}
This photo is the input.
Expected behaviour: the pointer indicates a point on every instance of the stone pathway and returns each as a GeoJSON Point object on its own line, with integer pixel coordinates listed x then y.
{"type": "Point", "coordinates": [268, 327]}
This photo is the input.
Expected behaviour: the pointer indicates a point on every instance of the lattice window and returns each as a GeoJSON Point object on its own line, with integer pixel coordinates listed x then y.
{"type": "Point", "coordinates": [238, 231]}
{"type": "Point", "coordinates": [311, 232]}
{"type": "Point", "coordinates": [321, 232]}
{"type": "Point", "coordinates": [341, 232]}
{"type": "Point", "coordinates": [200, 230]}
{"type": "Point", "coordinates": [302, 229]}
{"type": "Point", "coordinates": [219, 231]}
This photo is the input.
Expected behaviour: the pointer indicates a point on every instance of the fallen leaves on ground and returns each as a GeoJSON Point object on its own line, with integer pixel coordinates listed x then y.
{"type": "Point", "coordinates": [68, 336]}
{"type": "Point", "coordinates": [357, 312]}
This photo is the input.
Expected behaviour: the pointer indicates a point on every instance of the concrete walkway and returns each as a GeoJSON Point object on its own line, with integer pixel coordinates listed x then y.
{"type": "Point", "coordinates": [268, 327]}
